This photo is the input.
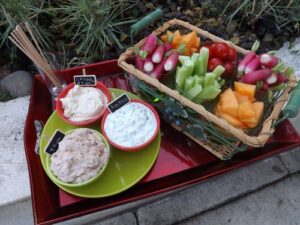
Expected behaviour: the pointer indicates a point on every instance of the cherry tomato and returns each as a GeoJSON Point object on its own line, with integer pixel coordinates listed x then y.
{"type": "Point", "coordinates": [231, 55]}
{"type": "Point", "coordinates": [220, 50]}
{"type": "Point", "coordinates": [229, 69]}
{"type": "Point", "coordinates": [213, 63]}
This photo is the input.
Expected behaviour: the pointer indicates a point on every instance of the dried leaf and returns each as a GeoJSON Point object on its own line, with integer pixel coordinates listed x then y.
{"type": "Point", "coordinates": [235, 40]}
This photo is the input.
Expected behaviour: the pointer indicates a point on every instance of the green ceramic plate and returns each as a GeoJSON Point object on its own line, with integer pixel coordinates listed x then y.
{"type": "Point", "coordinates": [124, 169]}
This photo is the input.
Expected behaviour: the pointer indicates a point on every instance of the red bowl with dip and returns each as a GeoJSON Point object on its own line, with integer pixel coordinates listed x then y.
{"type": "Point", "coordinates": [137, 147]}
{"type": "Point", "coordinates": [60, 110]}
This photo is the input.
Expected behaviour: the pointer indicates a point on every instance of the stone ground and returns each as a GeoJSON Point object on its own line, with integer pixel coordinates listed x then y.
{"type": "Point", "coordinates": [265, 193]}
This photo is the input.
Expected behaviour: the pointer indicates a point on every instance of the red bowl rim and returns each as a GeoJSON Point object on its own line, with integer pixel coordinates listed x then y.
{"type": "Point", "coordinates": [138, 147]}
{"type": "Point", "coordinates": [65, 91]}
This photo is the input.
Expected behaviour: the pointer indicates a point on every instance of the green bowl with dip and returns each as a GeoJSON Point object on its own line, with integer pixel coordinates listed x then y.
{"type": "Point", "coordinates": [99, 173]}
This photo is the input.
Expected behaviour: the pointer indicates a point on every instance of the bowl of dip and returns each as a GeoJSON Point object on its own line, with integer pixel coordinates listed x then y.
{"type": "Point", "coordinates": [132, 127]}
{"type": "Point", "coordinates": [81, 158]}
{"type": "Point", "coordinates": [82, 106]}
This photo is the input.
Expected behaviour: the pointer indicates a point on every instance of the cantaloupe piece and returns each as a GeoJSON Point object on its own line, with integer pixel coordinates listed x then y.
{"type": "Point", "coordinates": [245, 89]}
{"type": "Point", "coordinates": [176, 39]}
{"type": "Point", "coordinates": [231, 120]}
{"type": "Point", "coordinates": [246, 111]}
{"type": "Point", "coordinates": [241, 98]}
{"type": "Point", "coordinates": [197, 43]}
{"type": "Point", "coordinates": [189, 39]}
{"type": "Point", "coordinates": [258, 108]}
{"type": "Point", "coordinates": [164, 38]}
{"type": "Point", "coordinates": [194, 50]}
{"type": "Point", "coordinates": [229, 103]}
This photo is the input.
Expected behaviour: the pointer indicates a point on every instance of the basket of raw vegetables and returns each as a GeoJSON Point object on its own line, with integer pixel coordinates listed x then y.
{"type": "Point", "coordinates": [222, 96]}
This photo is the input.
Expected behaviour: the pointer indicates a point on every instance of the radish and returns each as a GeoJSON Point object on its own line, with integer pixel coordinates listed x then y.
{"type": "Point", "coordinates": [158, 54]}
{"type": "Point", "coordinates": [171, 61]}
{"type": "Point", "coordinates": [149, 46]}
{"type": "Point", "coordinates": [244, 61]}
{"type": "Point", "coordinates": [167, 46]}
{"type": "Point", "coordinates": [159, 69]}
{"type": "Point", "coordinates": [268, 60]}
{"type": "Point", "coordinates": [253, 77]}
{"type": "Point", "coordinates": [139, 63]}
{"type": "Point", "coordinates": [272, 79]}
{"type": "Point", "coordinates": [148, 65]}
{"type": "Point", "coordinates": [253, 65]}
{"type": "Point", "coordinates": [280, 79]}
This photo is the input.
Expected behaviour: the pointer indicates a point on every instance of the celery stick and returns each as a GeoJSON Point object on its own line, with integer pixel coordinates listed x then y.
{"type": "Point", "coordinates": [184, 72]}
{"type": "Point", "coordinates": [189, 83]}
{"type": "Point", "coordinates": [195, 56]}
{"type": "Point", "coordinates": [182, 59]}
{"type": "Point", "coordinates": [218, 71]}
{"type": "Point", "coordinates": [201, 62]}
{"type": "Point", "coordinates": [216, 84]}
{"type": "Point", "coordinates": [194, 91]}
{"type": "Point", "coordinates": [209, 79]}
{"type": "Point", "coordinates": [199, 79]}
{"type": "Point", "coordinates": [208, 93]}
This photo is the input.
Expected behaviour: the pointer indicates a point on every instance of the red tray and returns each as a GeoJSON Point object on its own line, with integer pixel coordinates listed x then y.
{"type": "Point", "coordinates": [180, 163]}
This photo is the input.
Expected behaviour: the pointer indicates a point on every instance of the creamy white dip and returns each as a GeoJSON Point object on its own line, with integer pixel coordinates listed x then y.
{"type": "Point", "coordinates": [80, 156]}
{"type": "Point", "coordinates": [131, 125]}
{"type": "Point", "coordinates": [83, 103]}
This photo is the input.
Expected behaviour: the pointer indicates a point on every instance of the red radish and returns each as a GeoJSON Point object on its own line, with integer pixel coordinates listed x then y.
{"type": "Point", "coordinates": [280, 79]}
{"type": "Point", "coordinates": [253, 77]}
{"type": "Point", "coordinates": [268, 60]}
{"type": "Point", "coordinates": [167, 46]}
{"type": "Point", "coordinates": [244, 61]}
{"type": "Point", "coordinates": [272, 79]}
{"type": "Point", "coordinates": [149, 46]}
{"type": "Point", "coordinates": [148, 65]}
{"type": "Point", "coordinates": [139, 63]}
{"type": "Point", "coordinates": [171, 61]}
{"type": "Point", "coordinates": [158, 54]}
{"type": "Point", "coordinates": [253, 65]}
{"type": "Point", "coordinates": [159, 69]}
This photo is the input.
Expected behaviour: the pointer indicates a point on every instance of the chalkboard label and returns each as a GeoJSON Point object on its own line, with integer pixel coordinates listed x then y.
{"type": "Point", "coordinates": [86, 80]}
{"type": "Point", "coordinates": [118, 103]}
{"type": "Point", "coordinates": [54, 141]}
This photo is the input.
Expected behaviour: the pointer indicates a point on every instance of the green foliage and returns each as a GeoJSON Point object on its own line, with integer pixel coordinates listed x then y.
{"type": "Point", "coordinates": [14, 12]}
{"type": "Point", "coordinates": [79, 30]}
{"type": "Point", "coordinates": [92, 26]}
{"type": "Point", "coordinates": [283, 13]}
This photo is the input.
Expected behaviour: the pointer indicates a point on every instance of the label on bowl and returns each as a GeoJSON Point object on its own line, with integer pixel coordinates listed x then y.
{"type": "Point", "coordinates": [85, 80]}
{"type": "Point", "coordinates": [118, 103]}
{"type": "Point", "coordinates": [54, 141]}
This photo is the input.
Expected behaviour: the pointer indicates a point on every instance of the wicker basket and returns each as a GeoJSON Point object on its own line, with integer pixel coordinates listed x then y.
{"type": "Point", "coordinates": [218, 150]}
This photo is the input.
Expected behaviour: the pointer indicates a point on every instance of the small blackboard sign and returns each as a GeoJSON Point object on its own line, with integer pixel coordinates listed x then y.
{"type": "Point", "coordinates": [86, 80]}
{"type": "Point", "coordinates": [53, 143]}
{"type": "Point", "coordinates": [118, 103]}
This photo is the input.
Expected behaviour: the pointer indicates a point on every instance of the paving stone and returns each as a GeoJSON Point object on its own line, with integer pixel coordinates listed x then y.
{"type": "Point", "coordinates": [17, 213]}
{"type": "Point", "coordinates": [18, 83]}
{"type": "Point", "coordinates": [278, 204]}
{"type": "Point", "coordinates": [211, 193]}
{"type": "Point", "coordinates": [95, 219]}
{"type": "Point", "coordinates": [291, 160]}
{"type": "Point", "coordinates": [13, 168]}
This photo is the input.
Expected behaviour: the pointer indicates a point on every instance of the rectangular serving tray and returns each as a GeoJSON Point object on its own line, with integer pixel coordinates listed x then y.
{"type": "Point", "coordinates": [181, 162]}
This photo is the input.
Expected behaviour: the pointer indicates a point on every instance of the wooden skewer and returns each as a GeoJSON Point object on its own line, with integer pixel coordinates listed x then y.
{"type": "Point", "coordinates": [20, 39]}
